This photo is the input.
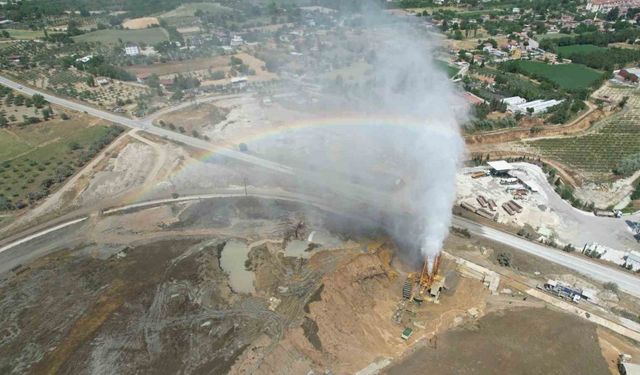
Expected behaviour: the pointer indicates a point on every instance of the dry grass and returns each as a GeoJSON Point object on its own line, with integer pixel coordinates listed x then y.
{"type": "Point", "coordinates": [140, 23]}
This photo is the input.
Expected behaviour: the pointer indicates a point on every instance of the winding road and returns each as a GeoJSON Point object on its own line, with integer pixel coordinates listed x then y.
{"type": "Point", "coordinates": [627, 282]}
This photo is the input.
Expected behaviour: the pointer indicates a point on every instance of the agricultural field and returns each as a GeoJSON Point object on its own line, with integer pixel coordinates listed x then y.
{"type": "Point", "coordinates": [149, 36]}
{"type": "Point", "coordinates": [25, 34]}
{"type": "Point", "coordinates": [552, 36]}
{"type": "Point", "coordinates": [111, 95]}
{"type": "Point", "coordinates": [202, 68]}
{"type": "Point", "coordinates": [36, 158]}
{"type": "Point", "coordinates": [580, 49]}
{"type": "Point", "coordinates": [73, 83]}
{"type": "Point", "coordinates": [567, 76]}
{"type": "Point", "coordinates": [596, 155]}
{"type": "Point", "coordinates": [185, 13]}
{"type": "Point", "coordinates": [450, 69]}
{"type": "Point", "coordinates": [175, 67]}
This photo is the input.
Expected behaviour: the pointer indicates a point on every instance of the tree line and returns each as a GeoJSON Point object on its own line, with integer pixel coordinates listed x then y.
{"type": "Point", "coordinates": [595, 38]}
{"type": "Point", "coordinates": [608, 60]}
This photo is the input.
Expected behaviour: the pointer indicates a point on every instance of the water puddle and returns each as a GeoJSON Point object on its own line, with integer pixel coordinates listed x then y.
{"type": "Point", "coordinates": [317, 241]}
{"type": "Point", "coordinates": [297, 248]}
{"type": "Point", "coordinates": [232, 260]}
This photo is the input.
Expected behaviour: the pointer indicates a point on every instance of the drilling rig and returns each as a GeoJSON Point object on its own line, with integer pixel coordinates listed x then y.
{"type": "Point", "coordinates": [425, 285]}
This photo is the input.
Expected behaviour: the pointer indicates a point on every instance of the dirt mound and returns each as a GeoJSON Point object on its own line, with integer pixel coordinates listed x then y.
{"type": "Point", "coordinates": [344, 329]}
{"type": "Point", "coordinates": [353, 325]}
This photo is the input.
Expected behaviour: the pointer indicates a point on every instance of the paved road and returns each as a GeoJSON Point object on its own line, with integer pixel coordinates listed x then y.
{"type": "Point", "coordinates": [41, 234]}
{"type": "Point", "coordinates": [224, 150]}
{"type": "Point", "coordinates": [626, 282]}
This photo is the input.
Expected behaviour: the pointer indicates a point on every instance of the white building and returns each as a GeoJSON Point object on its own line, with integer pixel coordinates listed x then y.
{"type": "Point", "coordinates": [517, 104]}
{"type": "Point", "coordinates": [132, 50]}
{"type": "Point", "coordinates": [84, 59]}
{"type": "Point", "coordinates": [514, 100]}
{"type": "Point", "coordinates": [607, 5]}
{"type": "Point", "coordinates": [632, 260]}
{"type": "Point", "coordinates": [236, 41]}
{"type": "Point", "coordinates": [495, 52]}
{"type": "Point", "coordinates": [103, 81]}
{"type": "Point", "coordinates": [533, 44]}
{"type": "Point", "coordinates": [239, 82]}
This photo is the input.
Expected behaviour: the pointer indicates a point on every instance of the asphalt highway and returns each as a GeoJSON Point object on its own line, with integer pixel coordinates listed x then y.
{"type": "Point", "coordinates": [627, 282]}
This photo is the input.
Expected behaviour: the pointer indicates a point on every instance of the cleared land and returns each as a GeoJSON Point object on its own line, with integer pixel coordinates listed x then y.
{"type": "Point", "coordinates": [531, 341]}
{"type": "Point", "coordinates": [184, 14]}
{"type": "Point", "coordinates": [188, 10]}
{"type": "Point", "coordinates": [140, 23]}
{"type": "Point", "coordinates": [194, 118]}
{"type": "Point", "coordinates": [176, 67]}
{"type": "Point", "coordinates": [203, 67]}
{"type": "Point", "coordinates": [36, 158]}
{"type": "Point", "coordinates": [149, 36]}
{"type": "Point", "coordinates": [553, 36]}
{"type": "Point", "coordinates": [600, 152]}
{"type": "Point", "coordinates": [567, 76]}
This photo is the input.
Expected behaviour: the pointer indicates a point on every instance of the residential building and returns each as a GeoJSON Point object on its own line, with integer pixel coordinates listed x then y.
{"type": "Point", "coordinates": [632, 260]}
{"type": "Point", "coordinates": [236, 41]}
{"type": "Point", "coordinates": [607, 5]}
{"type": "Point", "coordinates": [132, 50]}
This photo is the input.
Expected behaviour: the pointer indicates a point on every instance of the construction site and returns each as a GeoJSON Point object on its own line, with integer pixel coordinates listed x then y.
{"type": "Point", "coordinates": [157, 259]}
{"type": "Point", "coordinates": [268, 285]}
{"type": "Point", "coordinates": [306, 228]}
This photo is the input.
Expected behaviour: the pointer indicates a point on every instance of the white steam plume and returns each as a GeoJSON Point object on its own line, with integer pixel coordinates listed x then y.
{"type": "Point", "coordinates": [403, 81]}
{"type": "Point", "coordinates": [407, 83]}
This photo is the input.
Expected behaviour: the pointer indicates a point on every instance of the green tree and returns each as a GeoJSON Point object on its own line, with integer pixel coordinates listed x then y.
{"type": "Point", "coordinates": [46, 114]}
{"type": "Point", "coordinates": [613, 14]}
{"type": "Point", "coordinates": [39, 101]}
{"type": "Point", "coordinates": [18, 100]}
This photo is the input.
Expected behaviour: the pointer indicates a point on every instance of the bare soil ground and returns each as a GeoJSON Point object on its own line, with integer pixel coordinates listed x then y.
{"type": "Point", "coordinates": [140, 23]}
{"type": "Point", "coordinates": [145, 293]}
{"type": "Point", "coordinates": [201, 68]}
{"type": "Point", "coordinates": [507, 343]}
{"type": "Point", "coordinates": [198, 117]}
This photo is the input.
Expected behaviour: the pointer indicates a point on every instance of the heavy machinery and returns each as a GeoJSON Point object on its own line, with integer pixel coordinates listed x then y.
{"type": "Point", "coordinates": [424, 285]}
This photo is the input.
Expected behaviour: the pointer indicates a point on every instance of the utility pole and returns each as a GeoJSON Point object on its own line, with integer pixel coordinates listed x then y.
{"type": "Point", "coordinates": [245, 187]}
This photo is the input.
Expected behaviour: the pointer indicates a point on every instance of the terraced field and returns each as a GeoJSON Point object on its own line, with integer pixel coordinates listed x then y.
{"type": "Point", "coordinates": [598, 153]}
